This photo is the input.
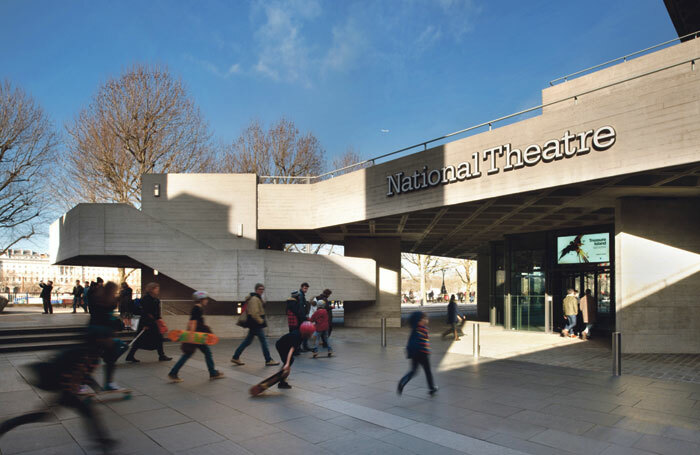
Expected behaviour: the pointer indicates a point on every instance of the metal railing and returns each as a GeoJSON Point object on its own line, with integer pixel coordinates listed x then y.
{"type": "Point", "coordinates": [624, 57]}
{"type": "Point", "coordinates": [490, 123]}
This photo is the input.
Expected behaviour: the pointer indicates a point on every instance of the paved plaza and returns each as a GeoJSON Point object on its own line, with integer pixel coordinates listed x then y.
{"type": "Point", "coordinates": [504, 403]}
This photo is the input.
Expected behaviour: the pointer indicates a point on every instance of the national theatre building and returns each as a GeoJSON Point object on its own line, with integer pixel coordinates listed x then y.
{"type": "Point", "coordinates": [599, 190]}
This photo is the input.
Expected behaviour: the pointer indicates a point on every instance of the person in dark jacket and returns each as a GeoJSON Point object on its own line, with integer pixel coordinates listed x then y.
{"type": "Point", "coordinates": [77, 295]}
{"type": "Point", "coordinates": [453, 318]}
{"type": "Point", "coordinates": [126, 311]}
{"type": "Point", "coordinates": [95, 287]}
{"type": "Point", "coordinates": [45, 295]}
{"type": "Point", "coordinates": [255, 312]}
{"type": "Point", "coordinates": [303, 311]}
{"type": "Point", "coordinates": [418, 350]}
{"type": "Point", "coordinates": [102, 326]}
{"type": "Point", "coordinates": [86, 291]}
{"type": "Point", "coordinates": [150, 314]}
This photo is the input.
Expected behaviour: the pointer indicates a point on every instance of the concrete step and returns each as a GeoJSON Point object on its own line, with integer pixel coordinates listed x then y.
{"type": "Point", "coordinates": [41, 338]}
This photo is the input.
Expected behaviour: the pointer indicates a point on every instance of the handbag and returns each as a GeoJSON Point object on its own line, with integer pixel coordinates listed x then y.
{"type": "Point", "coordinates": [243, 318]}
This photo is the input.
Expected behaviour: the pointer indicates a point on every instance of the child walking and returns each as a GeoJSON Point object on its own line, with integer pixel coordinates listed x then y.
{"type": "Point", "coordinates": [418, 350]}
{"type": "Point", "coordinates": [320, 318]}
{"type": "Point", "coordinates": [196, 324]}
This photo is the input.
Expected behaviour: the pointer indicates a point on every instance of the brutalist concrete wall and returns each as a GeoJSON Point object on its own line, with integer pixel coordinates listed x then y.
{"type": "Point", "coordinates": [657, 246]}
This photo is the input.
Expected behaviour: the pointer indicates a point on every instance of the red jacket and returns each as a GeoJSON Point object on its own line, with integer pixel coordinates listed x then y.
{"type": "Point", "coordinates": [320, 317]}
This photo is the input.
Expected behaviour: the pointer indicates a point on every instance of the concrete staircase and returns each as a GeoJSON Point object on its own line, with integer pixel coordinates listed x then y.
{"type": "Point", "coordinates": [23, 339]}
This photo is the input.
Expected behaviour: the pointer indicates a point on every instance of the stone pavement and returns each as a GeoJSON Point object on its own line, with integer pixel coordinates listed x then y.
{"type": "Point", "coordinates": [348, 404]}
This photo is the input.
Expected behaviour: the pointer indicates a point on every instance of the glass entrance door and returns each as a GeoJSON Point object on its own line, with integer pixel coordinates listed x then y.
{"type": "Point", "coordinates": [599, 283]}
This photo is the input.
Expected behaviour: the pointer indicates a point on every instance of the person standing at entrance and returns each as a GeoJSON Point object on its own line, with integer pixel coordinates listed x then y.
{"type": "Point", "coordinates": [150, 314]}
{"type": "Point", "coordinates": [77, 295]}
{"type": "Point", "coordinates": [253, 317]}
{"type": "Point", "coordinates": [570, 305]}
{"type": "Point", "coordinates": [45, 295]}
{"type": "Point", "coordinates": [303, 308]}
{"type": "Point", "coordinates": [589, 308]}
{"type": "Point", "coordinates": [453, 318]}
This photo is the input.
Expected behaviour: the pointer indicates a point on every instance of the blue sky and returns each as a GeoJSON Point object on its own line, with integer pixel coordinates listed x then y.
{"type": "Point", "coordinates": [343, 70]}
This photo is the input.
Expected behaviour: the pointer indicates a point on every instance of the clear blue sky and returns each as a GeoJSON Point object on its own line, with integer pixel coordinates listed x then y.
{"type": "Point", "coordinates": [343, 70]}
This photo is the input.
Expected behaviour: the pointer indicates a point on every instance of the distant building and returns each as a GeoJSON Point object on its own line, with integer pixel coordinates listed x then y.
{"type": "Point", "coordinates": [22, 270]}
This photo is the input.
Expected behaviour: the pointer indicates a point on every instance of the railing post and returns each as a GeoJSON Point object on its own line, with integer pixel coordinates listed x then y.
{"type": "Point", "coordinates": [617, 354]}
{"type": "Point", "coordinates": [383, 332]}
{"type": "Point", "coordinates": [476, 344]}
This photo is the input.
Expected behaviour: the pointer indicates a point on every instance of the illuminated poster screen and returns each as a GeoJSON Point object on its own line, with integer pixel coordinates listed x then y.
{"type": "Point", "coordinates": [580, 249]}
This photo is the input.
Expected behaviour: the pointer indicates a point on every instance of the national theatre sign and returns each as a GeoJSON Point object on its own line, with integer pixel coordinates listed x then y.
{"type": "Point", "coordinates": [568, 146]}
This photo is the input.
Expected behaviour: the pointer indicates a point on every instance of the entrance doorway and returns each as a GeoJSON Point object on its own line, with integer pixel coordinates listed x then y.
{"type": "Point", "coordinates": [599, 282]}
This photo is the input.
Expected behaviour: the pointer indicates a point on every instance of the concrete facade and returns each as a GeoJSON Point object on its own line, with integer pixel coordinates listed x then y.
{"type": "Point", "coordinates": [657, 244]}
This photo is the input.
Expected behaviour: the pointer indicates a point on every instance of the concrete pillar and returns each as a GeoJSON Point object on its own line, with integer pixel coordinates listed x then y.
{"type": "Point", "coordinates": [387, 254]}
{"type": "Point", "coordinates": [657, 274]}
{"type": "Point", "coordinates": [483, 286]}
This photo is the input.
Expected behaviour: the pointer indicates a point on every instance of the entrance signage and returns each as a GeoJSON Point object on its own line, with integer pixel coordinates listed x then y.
{"type": "Point", "coordinates": [583, 248]}
{"type": "Point", "coordinates": [568, 146]}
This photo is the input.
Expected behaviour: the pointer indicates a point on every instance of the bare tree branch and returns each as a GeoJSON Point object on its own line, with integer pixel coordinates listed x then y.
{"type": "Point", "coordinates": [28, 145]}
{"type": "Point", "coordinates": [143, 122]}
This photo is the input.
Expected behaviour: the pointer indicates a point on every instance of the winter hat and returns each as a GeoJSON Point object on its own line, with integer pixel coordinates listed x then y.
{"type": "Point", "coordinates": [199, 295]}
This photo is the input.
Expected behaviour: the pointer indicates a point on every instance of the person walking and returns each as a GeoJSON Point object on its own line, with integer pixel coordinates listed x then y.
{"type": "Point", "coordinates": [86, 291]}
{"type": "Point", "coordinates": [324, 298]}
{"type": "Point", "coordinates": [77, 295]}
{"type": "Point", "coordinates": [126, 305]}
{"type": "Point", "coordinates": [254, 317]}
{"type": "Point", "coordinates": [150, 315]}
{"type": "Point", "coordinates": [303, 311]}
{"type": "Point", "coordinates": [453, 318]}
{"type": "Point", "coordinates": [45, 295]}
{"type": "Point", "coordinates": [320, 320]}
{"type": "Point", "coordinates": [196, 324]}
{"type": "Point", "coordinates": [94, 288]}
{"type": "Point", "coordinates": [101, 326]}
{"type": "Point", "coordinates": [418, 350]}
{"type": "Point", "coordinates": [570, 306]}
{"type": "Point", "coordinates": [589, 310]}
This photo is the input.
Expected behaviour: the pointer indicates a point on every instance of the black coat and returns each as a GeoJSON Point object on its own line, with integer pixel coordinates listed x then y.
{"type": "Point", "coordinates": [45, 290]}
{"type": "Point", "coordinates": [150, 313]}
{"type": "Point", "coordinates": [125, 302]}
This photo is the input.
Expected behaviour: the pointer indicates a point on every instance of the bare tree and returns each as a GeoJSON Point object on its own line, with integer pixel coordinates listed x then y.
{"type": "Point", "coordinates": [142, 122]}
{"type": "Point", "coordinates": [348, 162]}
{"type": "Point", "coordinates": [423, 265]}
{"type": "Point", "coordinates": [27, 150]}
{"type": "Point", "coordinates": [281, 151]}
{"type": "Point", "coordinates": [466, 271]}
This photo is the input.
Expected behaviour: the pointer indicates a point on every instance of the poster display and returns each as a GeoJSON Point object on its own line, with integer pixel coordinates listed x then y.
{"type": "Point", "coordinates": [583, 248]}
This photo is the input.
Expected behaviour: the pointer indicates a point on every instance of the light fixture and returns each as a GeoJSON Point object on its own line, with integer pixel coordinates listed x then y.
{"type": "Point", "coordinates": [239, 230]}
{"type": "Point", "coordinates": [156, 190]}
{"type": "Point", "coordinates": [155, 272]}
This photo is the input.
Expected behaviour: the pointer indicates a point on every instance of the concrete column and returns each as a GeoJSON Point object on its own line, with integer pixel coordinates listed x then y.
{"type": "Point", "coordinates": [387, 254]}
{"type": "Point", "coordinates": [484, 299]}
{"type": "Point", "coordinates": [657, 274]}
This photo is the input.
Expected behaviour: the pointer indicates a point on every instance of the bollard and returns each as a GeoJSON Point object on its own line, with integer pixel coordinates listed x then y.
{"type": "Point", "coordinates": [383, 332]}
{"type": "Point", "coordinates": [617, 354]}
{"type": "Point", "coordinates": [476, 343]}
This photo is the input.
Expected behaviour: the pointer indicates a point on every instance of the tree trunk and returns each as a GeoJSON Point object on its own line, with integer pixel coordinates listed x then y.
{"type": "Point", "coordinates": [422, 260]}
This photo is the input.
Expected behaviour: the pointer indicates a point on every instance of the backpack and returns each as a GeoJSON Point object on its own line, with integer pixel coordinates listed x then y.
{"type": "Point", "coordinates": [243, 318]}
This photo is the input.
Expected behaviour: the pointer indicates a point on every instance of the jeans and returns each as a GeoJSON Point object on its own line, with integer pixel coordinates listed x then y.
{"type": "Point", "coordinates": [76, 302]}
{"type": "Point", "coordinates": [207, 358]}
{"type": "Point", "coordinates": [252, 333]}
{"type": "Point", "coordinates": [571, 323]}
{"type": "Point", "coordinates": [419, 358]}
{"type": "Point", "coordinates": [322, 337]}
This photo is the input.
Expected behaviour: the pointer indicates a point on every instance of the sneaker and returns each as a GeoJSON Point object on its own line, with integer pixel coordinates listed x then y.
{"type": "Point", "coordinates": [283, 385]}
{"type": "Point", "coordinates": [330, 353]}
{"type": "Point", "coordinates": [132, 359]}
{"type": "Point", "coordinates": [164, 358]}
{"type": "Point", "coordinates": [236, 361]}
{"type": "Point", "coordinates": [271, 363]}
{"type": "Point", "coordinates": [217, 375]}
{"type": "Point", "coordinates": [315, 354]}
{"type": "Point", "coordinates": [433, 391]}
{"type": "Point", "coordinates": [112, 387]}
{"type": "Point", "coordinates": [174, 378]}
{"type": "Point", "coordinates": [399, 388]}
{"type": "Point", "coordinates": [85, 390]}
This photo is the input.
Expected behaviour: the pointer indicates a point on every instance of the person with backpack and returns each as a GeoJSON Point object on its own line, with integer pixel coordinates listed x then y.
{"type": "Point", "coordinates": [320, 321]}
{"type": "Point", "coordinates": [196, 324]}
{"type": "Point", "coordinates": [418, 350]}
{"type": "Point", "coordinates": [253, 317]}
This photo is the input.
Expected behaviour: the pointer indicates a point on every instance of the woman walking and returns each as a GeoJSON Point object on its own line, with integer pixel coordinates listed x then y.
{"type": "Point", "coordinates": [150, 314]}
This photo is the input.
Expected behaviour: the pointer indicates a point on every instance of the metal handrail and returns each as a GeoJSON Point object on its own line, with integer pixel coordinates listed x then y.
{"type": "Point", "coordinates": [491, 122]}
{"type": "Point", "coordinates": [624, 57]}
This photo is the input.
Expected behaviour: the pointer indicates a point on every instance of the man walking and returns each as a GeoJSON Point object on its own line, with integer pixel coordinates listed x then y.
{"type": "Point", "coordinates": [254, 317]}
{"type": "Point", "coordinates": [77, 295]}
{"type": "Point", "coordinates": [570, 305]}
{"type": "Point", "coordinates": [45, 295]}
{"type": "Point", "coordinates": [589, 308]}
{"type": "Point", "coordinates": [303, 306]}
